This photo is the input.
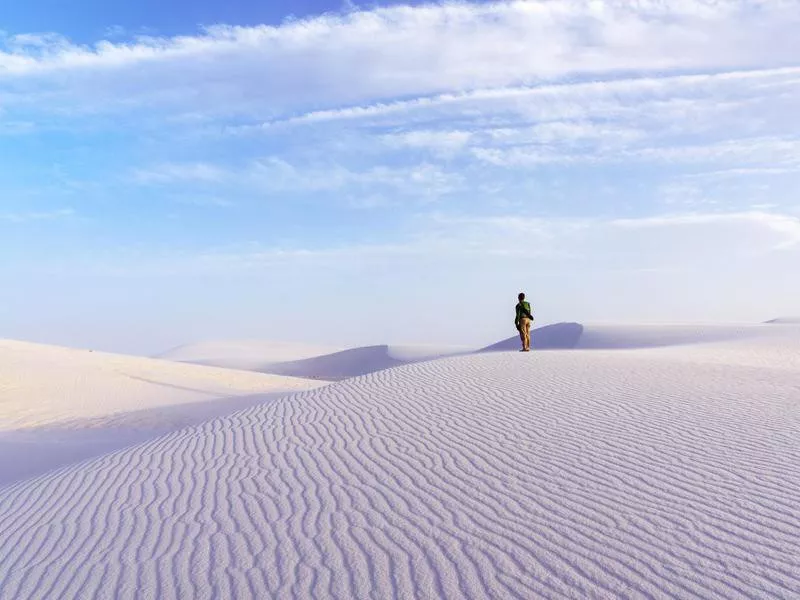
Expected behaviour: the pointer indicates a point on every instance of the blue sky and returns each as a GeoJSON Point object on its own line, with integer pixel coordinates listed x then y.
{"type": "Point", "coordinates": [351, 173]}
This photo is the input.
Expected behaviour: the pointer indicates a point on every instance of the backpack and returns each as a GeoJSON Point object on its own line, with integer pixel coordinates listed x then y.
{"type": "Point", "coordinates": [525, 312]}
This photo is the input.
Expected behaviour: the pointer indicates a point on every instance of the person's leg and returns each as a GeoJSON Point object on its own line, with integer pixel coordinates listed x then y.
{"type": "Point", "coordinates": [527, 329]}
{"type": "Point", "coordinates": [524, 328]}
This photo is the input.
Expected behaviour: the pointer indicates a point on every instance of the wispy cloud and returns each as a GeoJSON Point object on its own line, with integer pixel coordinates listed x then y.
{"type": "Point", "coordinates": [758, 151]}
{"type": "Point", "coordinates": [17, 127]}
{"type": "Point", "coordinates": [753, 230]}
{"type": "Point", "coordinates": [554, 243]}
{"type": "Point", "coordinates": [724, 121]}
{"type": "Point", "coordinates": [172, 173]}
{"type": "Point", "coordinates": [26, 217]}
{"type": "Point", "coordinates": [276, 175]}
{"type": "Point", "coordinates": [734, 173]}
{"type": "Point", "coordinates": [114, 32]}
{"type": "Point", "coordinates": [672, 94]}
{"type": "Point", "coordinates": [445, 142]}
{"type": "Point", "coordinates": [784, 226]}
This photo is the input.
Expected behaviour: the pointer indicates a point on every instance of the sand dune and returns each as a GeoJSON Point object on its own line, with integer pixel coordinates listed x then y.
{"type": "Point", "coordinates": [304, 361]}
{"type": "Point", "coordinates": [248, 355]}
{"type": "Point", "coordinates": [353, 362]}
{"type": "Point", "coordinates": [42, 385]}
{"type": "Point", "coordinates": [58, 405]}
{"type": "Point", "coordinates": [603, 474]}
{"type": "Point", "coordinates": [629, 337]}
{"type": "Point", "coordinates": [360, 361]}
{"type": "Point", "coordinates": [561, 336]}
{"type": "Point", "coordinates": [786, 321]}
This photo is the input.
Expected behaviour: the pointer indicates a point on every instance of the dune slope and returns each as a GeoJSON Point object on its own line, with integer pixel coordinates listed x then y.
{"type": "Point", "coordinates": [557, 475]}
{"type": "Point", "coordinates": [42, 385]}
{"type": "Point", "coordinates": [60, 405]}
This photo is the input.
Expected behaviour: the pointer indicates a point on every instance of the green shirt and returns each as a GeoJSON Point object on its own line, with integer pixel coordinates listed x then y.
{"type": "Point", "coordinates": [523, 310]}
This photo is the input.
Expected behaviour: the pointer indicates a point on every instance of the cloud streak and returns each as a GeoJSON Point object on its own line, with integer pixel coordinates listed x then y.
{"type": "Point", "coordinates": [27, 217]}
{"type": "Point", "coordinates": [276, 175]}
{"type": "Point", "coordinates": [563, 100]}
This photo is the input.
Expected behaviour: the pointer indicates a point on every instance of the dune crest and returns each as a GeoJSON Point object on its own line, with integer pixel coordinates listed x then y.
{"type": "Point", "coordinates": [575, 336]}
{"type": "Point", "coordinates": [247, 355]}
{"type": "Point", "coordinates": [359, 361]}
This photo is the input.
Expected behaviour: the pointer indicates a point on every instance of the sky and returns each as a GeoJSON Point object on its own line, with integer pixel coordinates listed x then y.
{"type": "Point", "coordinates": [352, 173]}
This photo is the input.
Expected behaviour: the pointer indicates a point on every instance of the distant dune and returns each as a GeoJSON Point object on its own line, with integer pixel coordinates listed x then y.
{"type": "Point", "coordinates": [249, 355]}
{"type": "Point", "coordinates": [304, 361]}
{"type": "Point", "coordinates": [359, 361]}
{"type": "Point", "coordinates": [277, 359]}
{"type": "Point", "coordinates": [613, 336]}
{"type": "Point", "coordinates": [785, 321]}
{"type": "Point", "coordinates": [561, 336]}
{"type": "Point", "coordinates": [659, 471]}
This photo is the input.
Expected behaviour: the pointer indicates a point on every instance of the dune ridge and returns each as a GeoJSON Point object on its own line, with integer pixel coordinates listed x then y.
{"type": "Point", "coordinates": [785, 321]}
{"type": "Point", "coordinates": [359, 361]}
{"type": "Point", "coordinates": [597, 336]}
{"type": "Point", "coordinates": [247, 355]}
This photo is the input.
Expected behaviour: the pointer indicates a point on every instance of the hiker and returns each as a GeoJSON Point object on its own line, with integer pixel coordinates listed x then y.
{"type": "Point", "coordinates": [522, 320]}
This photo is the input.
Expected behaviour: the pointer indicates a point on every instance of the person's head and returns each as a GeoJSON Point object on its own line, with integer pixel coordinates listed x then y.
{"type": "Point", "coordinates": [521, 296]}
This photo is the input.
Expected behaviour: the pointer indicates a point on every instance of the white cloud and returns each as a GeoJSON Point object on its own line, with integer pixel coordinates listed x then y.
{"type": "Point", "coordinates": [508, 84]}
{"type": "Point", "coordinates": [664, 96]}
{"type": "Point", "coordinates": [276, 175]}
{"type": "Point", "coordinates": [17, 127]}
{"type": "Point", "coordinates": [26, 217]}
{"type": "Point", "coordinates": [447, 143]}
{"type": "Point", "coordinates": [482, 90]}
{"type": "Point", "coordinates": [768, 152]}
{"type": "Point", "coordinates": [442, 142]}
{"type": "Point", "coordinates": [172, 173]}
{"type": "Point", "coordinates": [785, 227]}
{"type": "Point", "coordinates": [115, 31]}
{"type": "Point", "coordinates": [565, 133]}
{"type": "Point", "coordinates": [549, 242]}
{"type": "Point", "coordinates": [771, 151]}
{"type": "Point", "coordinates": [723, 174]}
{"type": "Point", "coordinates": [732, 120]}
{"type": "Point", "coordinates": [689, 235]}
{"type": "Point", "coordinates": [201, 200]}
{"type": "Point", "coordinates": [397, 51]}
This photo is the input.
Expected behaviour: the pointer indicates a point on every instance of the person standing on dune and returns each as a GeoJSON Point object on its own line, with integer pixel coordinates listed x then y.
{"type": "Point", "coordinates": [522, 320]}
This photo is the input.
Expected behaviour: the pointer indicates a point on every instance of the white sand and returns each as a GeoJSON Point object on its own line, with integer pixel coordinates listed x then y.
{"type": "Point", "coordinates": [667, 472]}
{"type": "Point", "coordinates": [58, 405]}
